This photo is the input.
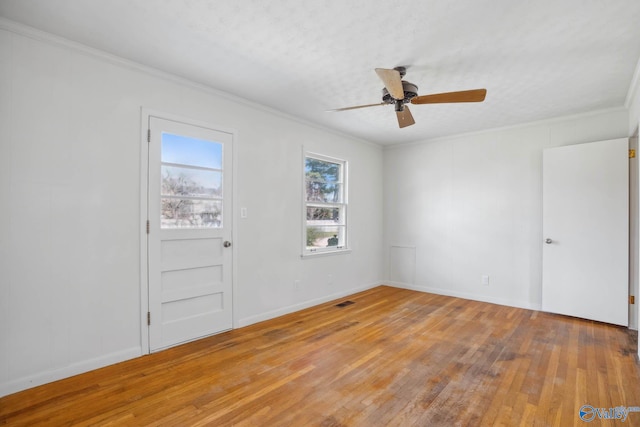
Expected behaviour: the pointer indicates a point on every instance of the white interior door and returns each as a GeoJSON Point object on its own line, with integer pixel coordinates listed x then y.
{"type": "Point", "coordinates": [585, 226]}
{"type": "Point", "coordinates": [189, 214]}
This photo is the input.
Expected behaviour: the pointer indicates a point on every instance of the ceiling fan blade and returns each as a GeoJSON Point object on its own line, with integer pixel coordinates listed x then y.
{"type": "Point", "coordinates": [405, 118]}
{"type": "Point", "coordinates": [356, 107]}
{"type": "Point", "coordinates": [392, 81]}
{"type": "Point", "coordinates": [475, 95]}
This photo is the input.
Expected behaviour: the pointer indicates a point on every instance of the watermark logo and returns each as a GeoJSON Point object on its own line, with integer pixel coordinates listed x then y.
{"type": "Point", "coordinates": [588, 413]}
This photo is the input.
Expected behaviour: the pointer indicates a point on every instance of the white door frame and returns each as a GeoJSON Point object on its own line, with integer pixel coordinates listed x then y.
{"type": "Point", "coordinates": [145, 114]}
{"type": "Point", "coordinates": [634, 239]}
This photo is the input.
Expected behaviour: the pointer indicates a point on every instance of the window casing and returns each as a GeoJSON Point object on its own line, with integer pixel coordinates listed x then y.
{"type": "Point", "coordinates": [325, 205]}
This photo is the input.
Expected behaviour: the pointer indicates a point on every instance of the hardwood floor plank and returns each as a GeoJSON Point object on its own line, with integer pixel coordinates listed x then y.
{"type": "Point", "coordinates": [394, 357]}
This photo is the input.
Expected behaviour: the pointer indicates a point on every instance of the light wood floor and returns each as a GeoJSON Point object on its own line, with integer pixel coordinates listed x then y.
{"type": "Point", "coordinates": [394, 357]}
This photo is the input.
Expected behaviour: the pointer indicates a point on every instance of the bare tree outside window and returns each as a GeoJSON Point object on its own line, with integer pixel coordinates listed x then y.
{"type": "Point", "coordinates": [191, 194]}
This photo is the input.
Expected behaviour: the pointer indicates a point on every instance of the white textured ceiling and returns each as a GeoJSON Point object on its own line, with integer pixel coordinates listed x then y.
{"type": "Point", "coordinates": [537, 59]}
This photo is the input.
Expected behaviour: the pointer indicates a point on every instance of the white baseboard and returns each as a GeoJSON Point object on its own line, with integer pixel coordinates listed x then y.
{"type": "Point", "coordinates": [482, 298]}
{"type": "Point", "coordinates": [301, 306]}
{"type": "Point", "coordinates": [40, 378]}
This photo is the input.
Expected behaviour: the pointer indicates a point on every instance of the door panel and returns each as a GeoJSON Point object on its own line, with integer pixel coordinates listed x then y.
{"type": "Point", "coordinates": [585, 226]}
{"type": "Point", "coordinates": [189, 221]}
{"type": "Point", "coordinates": [189, 253]}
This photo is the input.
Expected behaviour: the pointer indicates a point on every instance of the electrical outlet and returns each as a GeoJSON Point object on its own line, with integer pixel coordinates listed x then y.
{"type": "Point", "coordinates": [485, 280]}
{"type": "Point", "coordinates": [296, 285]}
{"type": "Point", "coordinates": [330, 279]}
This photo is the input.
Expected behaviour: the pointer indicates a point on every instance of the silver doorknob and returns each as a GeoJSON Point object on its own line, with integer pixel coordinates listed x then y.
{"type": "Point", "coordinates": [226, 244]}
{"type": "Point", "coordinates": [548, 241]}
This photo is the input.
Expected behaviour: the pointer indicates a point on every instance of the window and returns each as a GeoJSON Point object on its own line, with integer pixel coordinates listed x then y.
{"type": "Point", "coordinates": [191, 187]}
{"type": "Point", "coordinates": [325, 204]}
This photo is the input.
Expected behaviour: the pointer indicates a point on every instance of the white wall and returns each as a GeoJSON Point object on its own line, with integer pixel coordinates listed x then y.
{"type": "Point", "coordinates": [472, 206]}
{"type": "Point", "coordinates": [70, 215]}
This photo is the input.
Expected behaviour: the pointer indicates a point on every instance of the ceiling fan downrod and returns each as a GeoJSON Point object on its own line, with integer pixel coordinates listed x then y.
{"type": "Point", "coordinates": [401, 70]}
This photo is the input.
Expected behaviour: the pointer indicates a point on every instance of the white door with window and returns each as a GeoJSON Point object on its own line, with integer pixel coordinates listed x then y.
{"type": "Point", "coordinates": [189, 232]}
{"type": "Point", "coordinates": [586, 233]}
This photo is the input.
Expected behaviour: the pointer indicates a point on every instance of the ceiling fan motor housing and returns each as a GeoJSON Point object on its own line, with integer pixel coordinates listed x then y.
{"type": "Point", "coordinates": [410, 91]}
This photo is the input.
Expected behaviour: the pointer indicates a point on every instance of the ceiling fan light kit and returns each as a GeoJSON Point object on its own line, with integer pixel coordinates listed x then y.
{"type": "Point", "coordinates": [400, 92]}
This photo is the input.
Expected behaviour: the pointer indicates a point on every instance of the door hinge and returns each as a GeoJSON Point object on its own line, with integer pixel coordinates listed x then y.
{"type": "Point", "coordinates": [632, 299]}
{"type": "Point", "coordinates": [632, 154]}
{"type": "Point", "coordinates": [148, 226]}
{"type": "Point", "coordinates": [148, 318]}
{"type": "Point", "coordinates": [148, 135]}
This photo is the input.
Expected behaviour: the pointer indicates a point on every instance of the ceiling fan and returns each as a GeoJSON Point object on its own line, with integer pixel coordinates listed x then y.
{"type": "Point", "coordinates": [400, 92]}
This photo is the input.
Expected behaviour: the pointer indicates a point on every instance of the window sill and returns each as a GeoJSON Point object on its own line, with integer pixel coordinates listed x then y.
{"type": "Point", "coordinates": [308, 255]}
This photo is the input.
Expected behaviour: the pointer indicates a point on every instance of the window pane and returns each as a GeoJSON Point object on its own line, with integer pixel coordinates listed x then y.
{"type": "Point", "coordinates": [322, 192]}
{"type": "Point", "coordinates": [177, 181]}
{"type": "Point", "coordinates": [191, 151]}
{"type": "Point", "coordinates": [327, 236]}
{"type": "Point", "coordinates": [188, 213]}
{"type": "Point", "coordinates": [323, 216]}
{"type": "Point", "coordinates": [320, 170]}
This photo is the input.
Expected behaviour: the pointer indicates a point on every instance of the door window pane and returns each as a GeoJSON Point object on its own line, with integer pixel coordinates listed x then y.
{"type": "Point", "coordinates": [185, 150]}
{"type": "Point", "coordinates": [178, 181]}
{"type": "Point", "coordinates": [191, 182]}
{"type": "Point", "coordinates": [191, 213]}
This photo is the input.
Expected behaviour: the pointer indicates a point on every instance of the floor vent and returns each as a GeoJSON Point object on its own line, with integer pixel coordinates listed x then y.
{"type": "Point", "coordinates": [345, 303]}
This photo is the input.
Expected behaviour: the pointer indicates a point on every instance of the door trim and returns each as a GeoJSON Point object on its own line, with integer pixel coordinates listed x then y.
{"type": "Point", "coordinates": [145, 114]}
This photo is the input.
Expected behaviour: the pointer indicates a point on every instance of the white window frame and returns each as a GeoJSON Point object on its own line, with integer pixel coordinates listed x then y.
{"type": "Point", "coordinates": [342, 247]}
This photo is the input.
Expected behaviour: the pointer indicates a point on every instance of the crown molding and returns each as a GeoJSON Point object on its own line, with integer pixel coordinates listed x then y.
{"type": "Point", "coordinates": [510, 127]}
{"type": "Point", "coordinates": [45, 37]}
